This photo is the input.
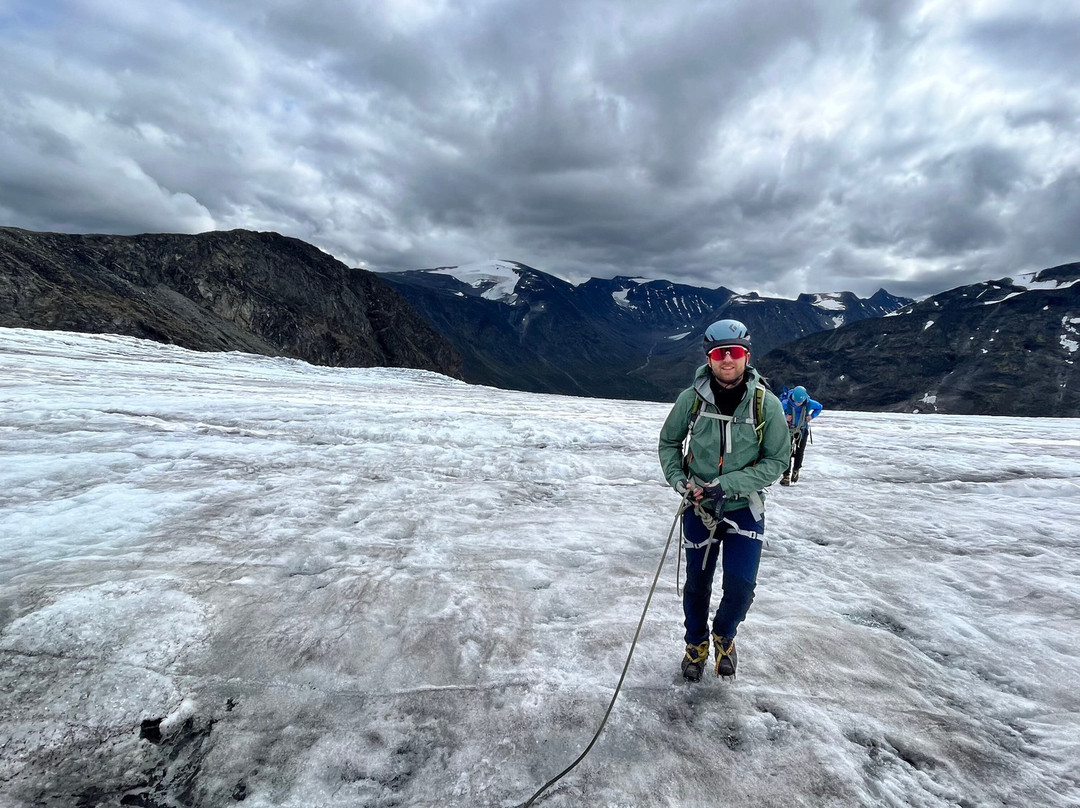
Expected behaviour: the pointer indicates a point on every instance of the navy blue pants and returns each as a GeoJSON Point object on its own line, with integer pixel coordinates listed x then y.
{"type": "Point", "coordinates": [739, 555]}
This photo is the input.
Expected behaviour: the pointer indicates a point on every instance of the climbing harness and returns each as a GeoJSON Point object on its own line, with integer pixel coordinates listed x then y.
{"type": "Point", "coordinates": [711, 520]}
{"type": "Point", "coordinates": [755, 501]}
{"type": "Point", "coordinates": [626, 667]}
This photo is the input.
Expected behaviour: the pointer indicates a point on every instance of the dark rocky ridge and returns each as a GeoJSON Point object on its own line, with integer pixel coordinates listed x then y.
{"type": "Point", "coordinates": [1005, 347]}
{"type": "Point", "coordinates": [259, 293]}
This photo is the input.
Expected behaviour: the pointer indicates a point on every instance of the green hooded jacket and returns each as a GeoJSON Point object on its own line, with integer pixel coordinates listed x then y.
{"type": "Point", "coordinates": [748, 466]}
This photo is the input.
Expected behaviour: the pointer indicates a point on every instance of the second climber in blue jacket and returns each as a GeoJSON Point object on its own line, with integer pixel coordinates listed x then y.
{"type": "Point", "coordinates": [800, 410]}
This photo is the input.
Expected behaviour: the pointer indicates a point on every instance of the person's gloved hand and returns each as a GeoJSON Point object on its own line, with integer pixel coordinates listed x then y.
{"type": "Point", "coordinates": [682, 486]}
{"type": "Point", "coordinates": [713, 498]}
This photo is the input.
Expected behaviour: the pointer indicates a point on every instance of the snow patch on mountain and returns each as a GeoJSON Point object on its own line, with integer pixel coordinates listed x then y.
{"type": "Point", "coordinates": [1001, 299]}
{"type": "Point", "coordinates": [498, 279]}
{"type": "Point", "coordinates": [1028, 282]}
{"type": "Point", "coordinates": [1070, 339]}
{"type": "Point", "coordinates": [829, 302]}
{"type": "Point", "coordinates": [620, 299]}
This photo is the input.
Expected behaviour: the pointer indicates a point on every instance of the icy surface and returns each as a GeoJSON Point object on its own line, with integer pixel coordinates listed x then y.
{"type": "Point", "coordinates": [226, 577]}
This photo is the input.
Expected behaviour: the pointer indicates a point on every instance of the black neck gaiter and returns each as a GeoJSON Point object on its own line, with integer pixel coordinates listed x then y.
{"type": "Point", "coordinates": [727, 399]}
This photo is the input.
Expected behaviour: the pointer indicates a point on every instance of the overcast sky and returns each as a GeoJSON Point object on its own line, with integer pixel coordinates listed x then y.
{"type": "Point", "coordinates": [780, 146]}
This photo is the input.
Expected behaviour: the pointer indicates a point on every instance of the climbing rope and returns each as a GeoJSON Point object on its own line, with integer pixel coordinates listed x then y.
{"type": "Point", "coordinates": [626, 667]}
{"type": "Point", "coordinates": [710, 522]}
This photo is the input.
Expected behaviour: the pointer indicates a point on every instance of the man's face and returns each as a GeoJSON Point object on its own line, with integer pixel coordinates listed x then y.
{"type": "Point", "coordinates": [726, 369]}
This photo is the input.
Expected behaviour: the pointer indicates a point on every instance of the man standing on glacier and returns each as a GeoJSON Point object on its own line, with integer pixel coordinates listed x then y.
{"type": "Point", "coordinates": [736, 445]}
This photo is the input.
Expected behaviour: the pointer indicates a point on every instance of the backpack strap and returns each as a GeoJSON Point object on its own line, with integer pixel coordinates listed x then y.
{"type": "Point", "coordinates": [759, 413]}
{"type": "Point", "coordinates": [695, 413]}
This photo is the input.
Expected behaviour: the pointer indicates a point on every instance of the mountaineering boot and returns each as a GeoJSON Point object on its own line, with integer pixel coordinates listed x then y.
{"type": "Point", "coordinates": [795, 476]}
{"type": "Point", "coordinates": [726, 657]}
{"type": "Point", "coordinates": [786, 479]}
{"type": "Point", "coordinates": [693, 662]}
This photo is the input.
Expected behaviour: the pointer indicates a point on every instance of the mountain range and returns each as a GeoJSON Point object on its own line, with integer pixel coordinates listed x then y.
{"type": "Point", "coordinates": [1002, 347]}
{"type": "Point", "coordinates": [519, 328]}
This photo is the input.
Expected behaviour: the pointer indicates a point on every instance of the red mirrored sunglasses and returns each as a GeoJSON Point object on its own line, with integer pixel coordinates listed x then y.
{"type": "Point", "coordinates": [736, 352]}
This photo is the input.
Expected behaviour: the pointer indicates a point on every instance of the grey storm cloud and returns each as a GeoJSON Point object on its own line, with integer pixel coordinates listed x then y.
{"type": "Point", "coordinates": [782, 147]}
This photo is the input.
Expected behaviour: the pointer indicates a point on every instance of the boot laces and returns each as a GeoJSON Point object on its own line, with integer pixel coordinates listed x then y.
{"type": "Point", "coordinates": [724, 650]}
{"type": "Point", "coordinates": [698, 653]}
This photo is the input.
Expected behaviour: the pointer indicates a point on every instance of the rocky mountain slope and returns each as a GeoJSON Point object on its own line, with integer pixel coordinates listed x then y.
{"type": "Point", "coordinates": [520, 328]}
{"type": "Point", "coordinates": [1004, 347]}
{"type": "Point", "coordinates": [261, 293]}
